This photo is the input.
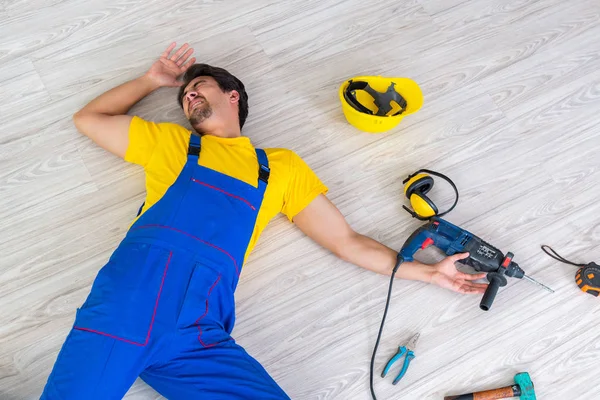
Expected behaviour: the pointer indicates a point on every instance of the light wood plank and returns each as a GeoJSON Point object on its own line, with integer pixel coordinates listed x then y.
{"type": "Point", "coordinates": [511, 93]}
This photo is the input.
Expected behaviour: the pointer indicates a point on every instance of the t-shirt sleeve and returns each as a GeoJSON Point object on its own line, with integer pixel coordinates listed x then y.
{"type": "Point", "coordinates": [143, 139]}
{"type": "Point", "coordinates": [303, 187]}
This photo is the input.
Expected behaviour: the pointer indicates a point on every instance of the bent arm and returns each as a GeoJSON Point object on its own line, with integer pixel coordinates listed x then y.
{"type": "Point", "coordinates": [325, 224]}
{"type": "Point", "coordinates": [104, 119]}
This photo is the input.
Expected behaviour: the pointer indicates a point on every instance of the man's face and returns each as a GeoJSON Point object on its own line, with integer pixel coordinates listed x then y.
{"type": "Point", "coordinates": [204, 103]}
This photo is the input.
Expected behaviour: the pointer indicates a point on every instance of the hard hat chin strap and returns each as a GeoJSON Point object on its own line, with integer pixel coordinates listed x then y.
{"type": "Point", "coordinates": [383, 101]}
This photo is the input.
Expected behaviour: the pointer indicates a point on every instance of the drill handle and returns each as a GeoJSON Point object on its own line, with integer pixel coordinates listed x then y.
{"type": "Point", "coordinates": [497, 280]}
{"type": "Point", "coordinates": [415, 242]}
{"type": "Point", "coordinates": [438, 232]}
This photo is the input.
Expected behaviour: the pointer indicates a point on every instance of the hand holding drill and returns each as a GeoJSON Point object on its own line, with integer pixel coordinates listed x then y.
{"type": "Point", "coordinates": [482, 256]}
{"type": "Point", "coordinates": [446, 275]}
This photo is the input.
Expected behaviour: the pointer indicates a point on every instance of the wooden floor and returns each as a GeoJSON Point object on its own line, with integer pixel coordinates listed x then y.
{"type": "Point", "coordinates": [511, 113]}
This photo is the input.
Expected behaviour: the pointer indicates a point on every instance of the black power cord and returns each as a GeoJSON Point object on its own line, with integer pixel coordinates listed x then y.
{"type": "Point", "coordinates": [547, 249]}
{"type": "Point", "coordinates": [399, 260]}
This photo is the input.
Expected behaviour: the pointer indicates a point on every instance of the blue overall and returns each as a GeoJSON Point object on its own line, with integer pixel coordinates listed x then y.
{"type": "Point", "coordinates": [163, 307]}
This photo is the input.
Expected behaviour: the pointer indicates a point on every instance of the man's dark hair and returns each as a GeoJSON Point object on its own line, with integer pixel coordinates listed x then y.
{"type": "Point", "coordinates": [226, 81]}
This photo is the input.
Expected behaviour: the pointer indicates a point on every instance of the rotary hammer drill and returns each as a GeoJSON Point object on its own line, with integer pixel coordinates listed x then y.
{"type": "Point", "coordinates": [483, 257]}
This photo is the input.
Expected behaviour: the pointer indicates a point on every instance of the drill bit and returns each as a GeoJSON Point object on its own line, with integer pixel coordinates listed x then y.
{"type": "Point", "coordinates": [530, 279]}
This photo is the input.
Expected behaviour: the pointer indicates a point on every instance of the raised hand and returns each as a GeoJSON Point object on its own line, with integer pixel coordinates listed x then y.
{"type": "Point", "coordinates": [167, 68]}
{"type": "Point", "coordinates": [447, 276]}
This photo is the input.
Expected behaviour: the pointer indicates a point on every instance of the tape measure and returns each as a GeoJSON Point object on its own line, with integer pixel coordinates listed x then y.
{"type": "Point", "coordinates": [587, 276]}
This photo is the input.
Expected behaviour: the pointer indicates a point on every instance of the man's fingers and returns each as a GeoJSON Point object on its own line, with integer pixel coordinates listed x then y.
{"type": "Point", "coordinates": [473, 277]}
{"type": "Point", "coordinates": [188, 64]}
{"type": "Point", "coordinates": [482, 286]}
{"type": "Point", "coordinates": [479, 287]}
{"type": "Point", "coordinates": [169, 50]}
{"type": "Point", "coordinates": [185, 56]}
{"type": "Point", "coordinates": [459, 256]}
{"type": "Point", "coordinates": [473, 288]}
{"type": "Point", "coordinates": [179, 52]}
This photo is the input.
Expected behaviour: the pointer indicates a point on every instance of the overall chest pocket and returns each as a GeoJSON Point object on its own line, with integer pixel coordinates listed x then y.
{"type": "Point", "coordinates": [208, 310]}
{"type": "Point", "coordinates": [126, 294]}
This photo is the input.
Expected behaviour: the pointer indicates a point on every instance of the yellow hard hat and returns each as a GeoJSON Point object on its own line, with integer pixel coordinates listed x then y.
{"type": "Point", "coordinates": [377, 104]}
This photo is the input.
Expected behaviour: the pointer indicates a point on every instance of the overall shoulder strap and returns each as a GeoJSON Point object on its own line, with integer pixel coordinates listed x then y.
{"type": "Point", "coordinates": [263, 167]}
{"type": "Point", "coordinates": [194, 147]}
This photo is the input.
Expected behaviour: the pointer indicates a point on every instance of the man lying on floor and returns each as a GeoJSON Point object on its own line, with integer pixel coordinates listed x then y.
{"type": "Point", "coordinates": [162, 308]}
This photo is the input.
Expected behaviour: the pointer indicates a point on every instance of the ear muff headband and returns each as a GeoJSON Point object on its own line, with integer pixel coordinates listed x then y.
{"type": "Point", "coordinates": [417, 183]}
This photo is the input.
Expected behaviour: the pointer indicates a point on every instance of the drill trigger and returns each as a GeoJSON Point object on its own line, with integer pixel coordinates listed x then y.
{"type": "Point", "coordinates": [426, 243]}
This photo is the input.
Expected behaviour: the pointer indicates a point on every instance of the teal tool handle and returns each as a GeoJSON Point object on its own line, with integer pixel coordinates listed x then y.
{"type": "Point", "coordinates": [409, 357]}
{"type": "Point", "coordinates": [395, 357]}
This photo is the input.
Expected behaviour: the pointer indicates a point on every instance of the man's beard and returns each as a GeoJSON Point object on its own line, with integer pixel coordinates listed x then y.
{"type": "Point", "coordinates": [199, 115]}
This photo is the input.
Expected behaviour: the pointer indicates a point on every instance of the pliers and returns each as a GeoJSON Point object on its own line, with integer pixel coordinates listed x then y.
{"type": "Point", "coordinates": [402, 350]}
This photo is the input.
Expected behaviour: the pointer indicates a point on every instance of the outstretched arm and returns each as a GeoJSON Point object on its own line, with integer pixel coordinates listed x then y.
{"type": "Point", "coordinates": [325, 224]}
{"type": "Point", "coordinates": [104, 119]}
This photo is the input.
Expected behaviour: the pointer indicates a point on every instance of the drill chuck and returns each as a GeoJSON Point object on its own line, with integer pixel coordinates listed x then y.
{"type": "Point", "coordinates": [514, 271]}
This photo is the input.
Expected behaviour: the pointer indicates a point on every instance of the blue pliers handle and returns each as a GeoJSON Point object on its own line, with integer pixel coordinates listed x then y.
{"type": "Point", "coordinates": [402, 350]}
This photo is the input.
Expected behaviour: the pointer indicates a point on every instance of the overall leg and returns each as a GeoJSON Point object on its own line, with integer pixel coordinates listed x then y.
{"type": "Point", "coordinates": [92, 366]}
{"type": "Point", "coordinates": [202, 360]}
{"type": "Point", "coordinates": [117, 328]}
{"type": "Point", "coordinates": [224, 371]}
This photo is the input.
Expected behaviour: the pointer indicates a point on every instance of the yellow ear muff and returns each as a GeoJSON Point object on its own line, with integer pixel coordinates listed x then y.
{"type": "Point", "coordinates": [415, 190]}
{"type": "Point", "coordinates": [416, 185]}
{"type": "Point", "coordinates": [421, 182]}
{"type": "Point", "coordinates": [423, 206]}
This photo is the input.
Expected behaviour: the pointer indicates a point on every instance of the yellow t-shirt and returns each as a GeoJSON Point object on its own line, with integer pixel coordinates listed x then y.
{"type": "Point", "coordinates": [161, 148]}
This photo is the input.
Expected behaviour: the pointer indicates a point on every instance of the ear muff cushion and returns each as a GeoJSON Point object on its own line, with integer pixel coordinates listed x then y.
{"type": "Point", "coordinates": [422, 205]}
{"type": "Point", "coordinates": [420, 183]}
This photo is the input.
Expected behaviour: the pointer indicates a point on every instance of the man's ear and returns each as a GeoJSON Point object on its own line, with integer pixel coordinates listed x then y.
{"type": "Point", "coordinates": [234, 96]}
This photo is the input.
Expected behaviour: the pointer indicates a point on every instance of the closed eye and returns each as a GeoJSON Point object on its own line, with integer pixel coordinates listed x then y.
{"type": "Point", "coordinates": [194, 87]}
